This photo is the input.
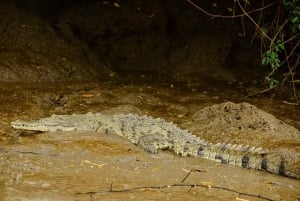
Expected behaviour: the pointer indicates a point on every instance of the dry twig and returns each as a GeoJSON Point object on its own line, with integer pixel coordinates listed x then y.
{"type": "Point", "coordinates": [111, 190]}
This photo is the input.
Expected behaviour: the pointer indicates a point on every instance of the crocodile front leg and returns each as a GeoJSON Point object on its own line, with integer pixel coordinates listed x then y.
{"type": "Point", "coordinates": [153, 142]}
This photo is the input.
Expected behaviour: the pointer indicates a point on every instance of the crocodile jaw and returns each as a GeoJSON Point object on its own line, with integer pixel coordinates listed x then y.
{"type": "Point", "coordinates": [41, 126]}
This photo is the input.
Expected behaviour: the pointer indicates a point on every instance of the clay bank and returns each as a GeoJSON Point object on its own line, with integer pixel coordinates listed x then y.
{"type": "Point", "coordinates": [143, 100]}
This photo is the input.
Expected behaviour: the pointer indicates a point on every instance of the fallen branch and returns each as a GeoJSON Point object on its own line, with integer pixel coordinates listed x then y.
{"type": "Point", "coordinates": [5, 150]}
{"type": "Point", "coordinates": [111, 190]}
{"type": "Point", "coordinates": [261, 92]}
{"type": "Point", "coordinates": [227, 16]}
{"type": "Point", "coordinates": [189, 173]}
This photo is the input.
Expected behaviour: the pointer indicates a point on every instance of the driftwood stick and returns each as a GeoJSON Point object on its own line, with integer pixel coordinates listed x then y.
{"type": "Point", "coordinates": [261, 92]}
{"type": "Point", "coordinates": [173, 185]}
{"type": "Point", "coordinates": [111, 190]}
{"type": "Point", "coordinates": [188, 174]}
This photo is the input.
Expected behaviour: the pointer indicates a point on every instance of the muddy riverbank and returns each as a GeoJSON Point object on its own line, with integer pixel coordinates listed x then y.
{"type": "Point", "coordinates": [87, 166]}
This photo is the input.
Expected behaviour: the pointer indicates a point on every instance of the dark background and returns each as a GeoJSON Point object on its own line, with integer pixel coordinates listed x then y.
{"type": "Point", "coordinates": [73, 39]}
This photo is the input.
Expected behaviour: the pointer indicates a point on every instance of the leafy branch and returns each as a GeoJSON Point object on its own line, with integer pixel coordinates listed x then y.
{"type": "Point", "coordinates": [277, 27]}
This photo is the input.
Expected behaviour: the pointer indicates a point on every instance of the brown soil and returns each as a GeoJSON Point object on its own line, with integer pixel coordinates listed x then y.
{"type": "Point", "coordinates": [88, 165]}
{"type": "Point", "coordinates": [96, 39]}
{"type": "Point", "coordinates": [48, 48]}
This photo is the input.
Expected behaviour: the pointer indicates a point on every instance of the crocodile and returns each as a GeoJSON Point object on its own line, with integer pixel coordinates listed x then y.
{"type": "Point", "coordinates": [154, 134]}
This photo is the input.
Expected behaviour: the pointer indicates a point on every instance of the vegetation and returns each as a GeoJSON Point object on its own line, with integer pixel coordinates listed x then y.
{"type": "Point", "coordinates": [280, 48]}
{"type": "Point", "coordinates": [277, 27]}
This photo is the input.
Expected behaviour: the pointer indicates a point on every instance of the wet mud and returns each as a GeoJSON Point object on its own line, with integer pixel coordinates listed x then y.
{"type": "Point", "coordinates": [95, 166]}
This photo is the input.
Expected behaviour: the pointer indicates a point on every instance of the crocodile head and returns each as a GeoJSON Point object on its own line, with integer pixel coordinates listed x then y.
{"type": "Point", "coordinates": [46, 124]}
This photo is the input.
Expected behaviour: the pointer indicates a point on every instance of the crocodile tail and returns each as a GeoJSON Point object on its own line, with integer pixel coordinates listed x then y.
{"type": "Point", "coordinates": [276, 164]}
{"type": "Point", "coordinates": [245, 156]}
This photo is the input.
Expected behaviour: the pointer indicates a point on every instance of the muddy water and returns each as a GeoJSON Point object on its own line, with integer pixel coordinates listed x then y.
{"type": "Point", "coordinates": [89, 166]}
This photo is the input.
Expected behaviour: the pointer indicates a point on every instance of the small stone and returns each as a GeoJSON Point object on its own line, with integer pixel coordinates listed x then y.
{"type": "Point", "coordinates": [31, 183]}
{"type": "Point", "coordinates": [18, 178]}
{"type": "Point", "coordinates": [45, 185]}
{"type": "Point", "coordinates": [180, 115]}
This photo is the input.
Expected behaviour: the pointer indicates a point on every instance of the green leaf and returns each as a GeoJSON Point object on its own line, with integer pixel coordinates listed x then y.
{"type": "Point", "coordinates": [264, 61]}
{"type": "Point", "coordinates": [294, 20]}
{"type": "Point", "coordinates": [273, 55]}
{"type": "Point", "coordinates": [281, 46]}
{"type": "Point", "coordinates": [271, 82]}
